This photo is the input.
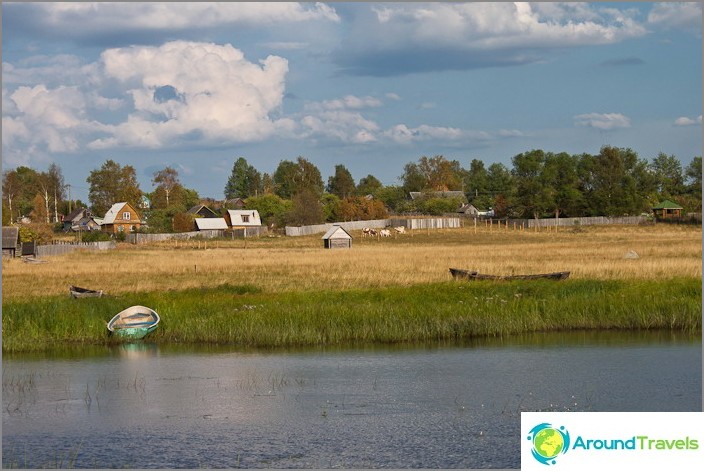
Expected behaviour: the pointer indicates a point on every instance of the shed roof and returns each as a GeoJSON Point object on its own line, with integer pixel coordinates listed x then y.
{"type": "Point", "coordinates": [10, 237]}
{"type": "Point", "coordinates": [667, 204]}
{"type": "Point", "coordinates": [204, 224]}
{"type": "Point", "coordinates": [337, 232]}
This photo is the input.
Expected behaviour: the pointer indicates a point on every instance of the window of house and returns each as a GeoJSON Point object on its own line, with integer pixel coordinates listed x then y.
{"type": "Point", "coordinates": [245, 218]}
{"type": "Point", "coordinates": [126, 215]}
{"type": "Point", "coordinates": [121, 228]}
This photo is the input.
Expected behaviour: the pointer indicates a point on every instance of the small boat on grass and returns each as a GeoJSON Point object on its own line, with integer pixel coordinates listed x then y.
{"type": "Point", "coordinates": [473, 275]}
{"type": "Point", "coordinates": [78, 292]}
{"type": "Point", "coordinates": [134, 323]}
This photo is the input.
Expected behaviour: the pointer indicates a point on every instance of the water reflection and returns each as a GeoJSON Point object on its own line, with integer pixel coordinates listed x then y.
{"type": "Point", "coordinates": [449, 405]}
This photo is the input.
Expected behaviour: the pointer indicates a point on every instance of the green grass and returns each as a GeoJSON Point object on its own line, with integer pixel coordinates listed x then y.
{"type": "Point", "coordinates": [247, 317]}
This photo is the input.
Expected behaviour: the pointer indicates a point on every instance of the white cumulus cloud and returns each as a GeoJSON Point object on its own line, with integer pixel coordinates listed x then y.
{"type": "Point", "coordinates": [677, 15]}
{"type": "Point", "coordinates": [603, 121]}
{"type": "Point", "coordinates": [217, 94]}
{"type": "Point", "coordinates": [685, 121]}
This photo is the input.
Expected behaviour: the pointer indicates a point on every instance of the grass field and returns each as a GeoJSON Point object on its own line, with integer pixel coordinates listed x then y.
{"type": "Point", "coordinates": [290, 291]}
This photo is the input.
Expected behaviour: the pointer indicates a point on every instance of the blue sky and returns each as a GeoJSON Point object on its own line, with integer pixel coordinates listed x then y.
{"type": "Point", "coordinates": [369, 85]}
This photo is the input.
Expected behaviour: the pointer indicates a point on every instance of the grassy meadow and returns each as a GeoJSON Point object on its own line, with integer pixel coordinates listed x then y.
{"type": "Point", "coordinates": [283, 291]}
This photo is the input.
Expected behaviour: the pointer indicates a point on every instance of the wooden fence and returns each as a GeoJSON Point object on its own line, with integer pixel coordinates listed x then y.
{"type": "Point", "coordinates": [408, 223]}
{"type": "Point", "coordinates": [60, 249]}
{"type": "Point", "coordinates": [572, 222]}
{"type": "Point", "coordinates": [139, 238]}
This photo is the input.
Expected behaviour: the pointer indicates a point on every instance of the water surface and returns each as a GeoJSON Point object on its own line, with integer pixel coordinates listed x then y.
{"type": "Point", "coordinates": [413, 406]}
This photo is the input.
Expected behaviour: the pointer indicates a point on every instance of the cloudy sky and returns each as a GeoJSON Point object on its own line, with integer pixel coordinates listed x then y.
{"type": "Point", "coordinates": [369, 85]}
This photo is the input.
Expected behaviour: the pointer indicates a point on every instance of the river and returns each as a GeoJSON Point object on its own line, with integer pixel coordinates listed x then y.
{"type": "Point", "coordinates": [413, 406]}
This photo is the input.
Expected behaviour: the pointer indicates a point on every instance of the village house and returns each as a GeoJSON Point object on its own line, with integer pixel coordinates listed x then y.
{"type": "Point", "coordinates": [201, 210]}
{"type": "Point", "coordinates": [244, 222]}
{"type": "Point", "coordinates": [81, 219]}
{"type": "Point", "coordinates": [121, 217]}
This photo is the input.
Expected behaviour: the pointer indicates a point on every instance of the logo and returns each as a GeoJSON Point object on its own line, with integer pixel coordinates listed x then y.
{"type": "Point", "coordinates": [548, 442]}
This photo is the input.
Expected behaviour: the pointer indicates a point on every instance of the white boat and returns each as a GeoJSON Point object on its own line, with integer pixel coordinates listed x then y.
{"type": "Point", "coordinates": [133, 323]}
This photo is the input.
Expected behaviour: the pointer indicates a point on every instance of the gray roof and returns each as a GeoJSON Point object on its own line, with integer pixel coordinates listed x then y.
{"type": "Point", "coordinates": [337, 232]}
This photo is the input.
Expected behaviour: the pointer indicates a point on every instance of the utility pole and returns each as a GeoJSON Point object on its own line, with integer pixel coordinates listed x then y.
{"type": "Point", "coordinates": [68, 185]}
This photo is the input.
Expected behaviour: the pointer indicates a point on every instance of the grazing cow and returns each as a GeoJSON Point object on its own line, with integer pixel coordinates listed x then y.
{"type": "Point", "coordinates": [366, 231]}
{"type": "Point", "coordinates": [372, 232]}
{"type": "Point", "coordinates": [385, 233]}
{"type": "Point", "coordinates": [400, 229]}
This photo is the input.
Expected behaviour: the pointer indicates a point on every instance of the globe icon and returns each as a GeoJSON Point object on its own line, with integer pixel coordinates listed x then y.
{"type": "Point", "coordinates": [548, 443]}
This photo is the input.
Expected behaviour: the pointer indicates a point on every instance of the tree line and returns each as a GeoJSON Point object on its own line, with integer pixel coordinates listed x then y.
{"type": "Point", "coordinates": [614, 182]}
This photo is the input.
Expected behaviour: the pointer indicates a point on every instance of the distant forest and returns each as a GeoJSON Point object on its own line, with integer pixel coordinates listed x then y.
{"type": "Point", "coordinates": [614, 182]}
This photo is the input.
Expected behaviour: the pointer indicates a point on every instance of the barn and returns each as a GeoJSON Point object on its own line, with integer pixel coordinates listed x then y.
{"type": "Point", "coordinates": [337, 238]}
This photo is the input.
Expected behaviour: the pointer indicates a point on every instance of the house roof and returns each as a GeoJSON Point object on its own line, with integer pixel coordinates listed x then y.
{"type": "Point", "coordinates": [75, 215]}
{"type": "Point", "coordinates": [114, 212]}
{"type": "Point", "coordinates": [667, 204]}
{"type": "Point", "coordinates": [437, 194]}
{"type": "Point", "coordinates": [210, 223]}
{"type": "Point", "coordinates": [196, 209]}
{"type": "Point", "coordinates": [337, 232]}
{"type": "Point", "coordinates": [10, 236]}
{"type": "Point", "coordinates": [236, 217]}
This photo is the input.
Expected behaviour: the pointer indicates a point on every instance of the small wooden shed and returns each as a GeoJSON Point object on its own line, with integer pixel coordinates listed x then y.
{"type": "Point", "coordinates": [10, 240]}
{"type": "Point", "coordinates": [667, 210]}
{"type": "Point", "coordinates": [337, 238]}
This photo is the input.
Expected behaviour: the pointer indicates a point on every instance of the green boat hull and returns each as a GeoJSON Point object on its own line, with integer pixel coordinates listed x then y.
{"type": "Point", "coordinates": [133, 333]}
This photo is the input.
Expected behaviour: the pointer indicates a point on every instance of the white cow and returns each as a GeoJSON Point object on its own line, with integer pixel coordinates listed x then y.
{"type": "Point", "coordinates": [400, 229]}
{"type": "Point", "coordinates": [385, 233]}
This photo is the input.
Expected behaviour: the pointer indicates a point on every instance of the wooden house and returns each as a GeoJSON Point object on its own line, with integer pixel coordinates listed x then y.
{"type": "Point", "coordinates": [121, 217]}
{"type": "Point", "coordinates": [10, 241]}
{"type": "Point", "coordinates": [239, 218]}
{"type": "Point", "coordinates": [80, 220]}
{"type": "Point", "coordinates": [202, 211]}
{"type": "Point", "coordinates": [337, 238]}
{"type": "Point", "coordinates": [235, 203]}
{"type": "Point", "coordinates": [667, 210]}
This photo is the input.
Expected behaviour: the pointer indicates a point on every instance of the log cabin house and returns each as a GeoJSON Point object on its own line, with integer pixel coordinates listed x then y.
{"type": "Point", "coordinates": [121, 217]}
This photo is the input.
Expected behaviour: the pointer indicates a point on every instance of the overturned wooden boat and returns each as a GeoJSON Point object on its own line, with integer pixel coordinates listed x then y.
{"type": "Point", "coordinates": [458, 273]}
{"type": "Point", "coordinates": [78, 292]}
{"type": "Point", "coordinates": [134, 323]}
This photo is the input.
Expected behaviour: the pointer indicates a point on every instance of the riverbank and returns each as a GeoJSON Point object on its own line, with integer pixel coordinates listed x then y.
{"type": "Point", "coordinates": [247, 316]}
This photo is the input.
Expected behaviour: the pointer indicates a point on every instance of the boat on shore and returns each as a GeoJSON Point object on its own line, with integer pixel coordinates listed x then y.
{"type": "Point", "coordinates": [134, 323]}
{"type": "Point", "coordinates": [78, 292]}
{"type": "Point", "coordinates": [460, 274]}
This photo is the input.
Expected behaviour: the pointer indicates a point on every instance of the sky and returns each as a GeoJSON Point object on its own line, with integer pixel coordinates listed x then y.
{"type": "Point", "coordinates": [369, 85]}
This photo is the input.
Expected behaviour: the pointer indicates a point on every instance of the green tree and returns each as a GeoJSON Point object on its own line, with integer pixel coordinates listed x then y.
{"type": "Point", "coordinates": [245, 181]}
{"type": "Point", "coordinates": [477, 184]}
{"type": "Point", "coordinates": [341, 184]}
{"type": "Point", "coordinates": [618, 184]}
{"type": "Point", "coordinates": [413, 178]}
{"type": "Point", "coordinates": [291, 178]}
{"type": "Point", "coordinates": [669, 177]}
{"type": "Point", "coordinates": [111, 184]}
{"type": "Point", "coordinates": [167, 182]}
{"type": "Point", "coordinates": [307, 208]}
{"type": "Point", "coordinates": [441, 174]}
{"type": "Point", "coordinates": [561, 179]}
{"type": "Point", "coordinates": [694, 178]}
{"type": "Point", "coordinates": [394, 197]}
{"type": "Point", "coordinates": [368, 185]}
{"type": "Point", "coordinates": [533, 197]}
{"type": "Point", "coordinates": [272, 209]}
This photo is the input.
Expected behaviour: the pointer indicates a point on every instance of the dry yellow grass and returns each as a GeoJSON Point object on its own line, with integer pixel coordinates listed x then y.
{"type": "Point", "coordinates": [286, 264]}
